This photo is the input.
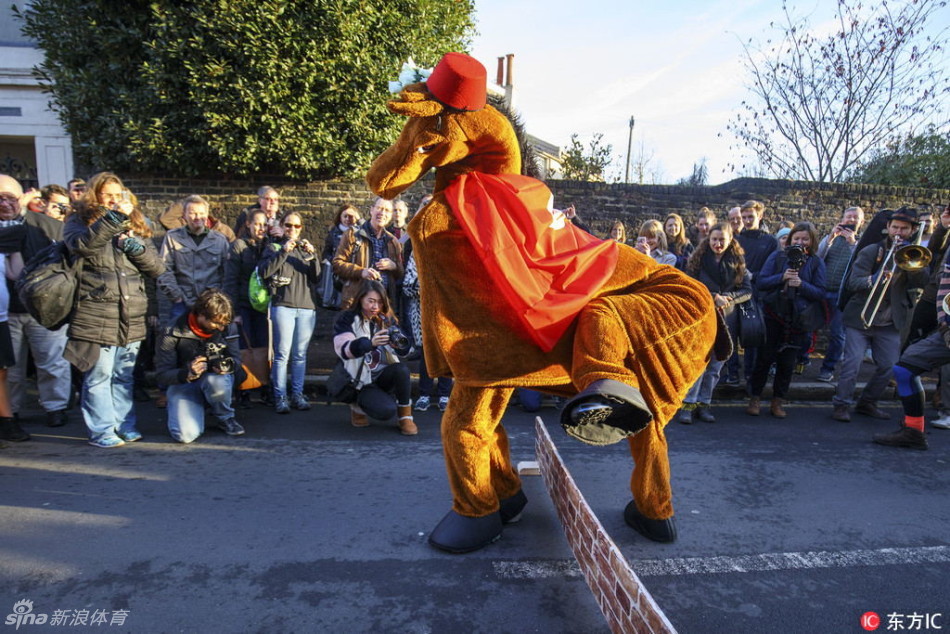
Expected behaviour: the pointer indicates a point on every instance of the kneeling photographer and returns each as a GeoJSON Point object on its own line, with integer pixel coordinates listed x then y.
{"type": "Point", "coordinates": [792, 286]}
{"type": "Point", "coordinates": [368, 342]}
{"type": "Point", "coordinates": [198, 356]}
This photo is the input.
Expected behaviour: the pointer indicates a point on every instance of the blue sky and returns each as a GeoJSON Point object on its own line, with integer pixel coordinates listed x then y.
{"type": "Point", "coordinates": [586, 67]}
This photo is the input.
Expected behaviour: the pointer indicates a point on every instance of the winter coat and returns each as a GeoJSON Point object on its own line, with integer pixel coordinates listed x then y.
{"type": "Point", "coordinates": [902, 293]}
{"type": "Point", "coordinates": [243, 258]}
{"type": "Point", "coordinates": [179, 346]}
{"type": "Point", "coordinates": [353, 255]}
{"type": "Point", "coordinates": [191, 265]}
{"type": "Point", "coordinates": [292, 275]}
{"type": "Point", "coordinates": [770, 285]}
{"type": "Point", "coordinates": [112, 300]}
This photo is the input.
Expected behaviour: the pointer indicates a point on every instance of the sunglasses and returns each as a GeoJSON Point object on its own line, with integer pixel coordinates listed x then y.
{"type": "Point", "coordinates": [292, 226]}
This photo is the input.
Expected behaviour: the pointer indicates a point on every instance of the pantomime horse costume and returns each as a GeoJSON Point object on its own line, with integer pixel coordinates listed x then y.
{"type": "Point", "coordinates": [514, 296]}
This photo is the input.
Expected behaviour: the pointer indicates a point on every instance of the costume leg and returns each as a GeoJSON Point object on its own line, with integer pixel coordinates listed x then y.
{"type": "Point", "coordinates": [476, 450]}
{"type": "Point", "coordinates": [657, 339]}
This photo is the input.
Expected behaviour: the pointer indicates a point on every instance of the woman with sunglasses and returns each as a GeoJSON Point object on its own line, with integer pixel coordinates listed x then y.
{"type": "Point", "coordinates": [291, 268]}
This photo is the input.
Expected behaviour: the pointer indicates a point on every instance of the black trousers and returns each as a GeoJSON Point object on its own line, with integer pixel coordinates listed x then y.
{"type": "Point", "coordinates": [376, 399]}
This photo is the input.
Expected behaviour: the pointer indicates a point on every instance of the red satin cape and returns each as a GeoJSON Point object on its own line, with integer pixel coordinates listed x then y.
{"type": "Point", "coordinates": [546, 268]}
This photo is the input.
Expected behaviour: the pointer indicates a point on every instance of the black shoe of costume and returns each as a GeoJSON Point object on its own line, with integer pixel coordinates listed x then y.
{"type": "Point", "coordinates": [57, 418]}
{"type": "Point", "coordinates": [510, 508]}
{"type": "Point", "coordinates": [606, 412]}
{"type": "Point", "coordinates": [906, 437]}
{"type": "Point", "coordinates": [244, 400]}
{"type": "Point", "coordinates": [459, 534]}
{"type": "Point", "coordinates": [658, 530]}
{"type": "Point", "coordinates": [10, 430]}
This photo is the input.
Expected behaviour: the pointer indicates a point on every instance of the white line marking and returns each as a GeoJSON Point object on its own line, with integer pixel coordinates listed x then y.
{"type": "Point", "coordinates": [740, 563]}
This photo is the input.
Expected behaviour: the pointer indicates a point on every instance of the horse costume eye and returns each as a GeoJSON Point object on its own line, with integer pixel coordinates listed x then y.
{"type": "Point", "coordinates": [425, 149]}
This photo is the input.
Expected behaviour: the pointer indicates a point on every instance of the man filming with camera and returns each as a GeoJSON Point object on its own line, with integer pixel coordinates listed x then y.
{"type": "Point", "coordinates": [198, 357]}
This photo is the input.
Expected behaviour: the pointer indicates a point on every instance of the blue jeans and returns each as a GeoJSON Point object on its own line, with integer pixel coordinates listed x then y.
{"type": "Point", "coordinates": [107, 392]}
{"type": "Point", "coordinates": [702, 389]}
{"type": "Point", "coordinates": [292, 330]}
{"type": "Point", "coordinates": [186, 404]}
{"type": "Point", "coordinates": [426, 382]}
{"type": "Point", "coordinates": [177, 310]}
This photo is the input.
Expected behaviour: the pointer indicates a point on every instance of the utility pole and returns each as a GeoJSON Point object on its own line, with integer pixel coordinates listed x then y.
{"type": "Point", "coordinates": [626, 173]}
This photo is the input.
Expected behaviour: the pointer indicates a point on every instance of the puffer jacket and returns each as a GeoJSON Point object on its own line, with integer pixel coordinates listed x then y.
{"type": "Point", "coordinates": [112, 300]}
{"type": "Point", "coordinates": [192, 266]}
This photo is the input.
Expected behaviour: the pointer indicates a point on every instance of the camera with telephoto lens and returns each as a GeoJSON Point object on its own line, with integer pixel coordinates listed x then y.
{"type": "Point", "coordinates": [796, 256]}
{"type": "Point", "coordinates": [219, 361]}
{"type": "Point", "coordinates": [397, 338]}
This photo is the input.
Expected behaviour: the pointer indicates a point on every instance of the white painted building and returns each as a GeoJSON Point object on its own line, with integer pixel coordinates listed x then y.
{"type": "Point", "coordinates": [34, 147]}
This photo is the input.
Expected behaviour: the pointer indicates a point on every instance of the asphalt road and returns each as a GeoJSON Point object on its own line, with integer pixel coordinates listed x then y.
{"type": "Point", "coordinates": [309, 525]}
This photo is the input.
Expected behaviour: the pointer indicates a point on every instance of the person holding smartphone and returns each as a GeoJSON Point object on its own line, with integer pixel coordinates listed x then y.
{"type": "Point", "coordinates": [836, 249]}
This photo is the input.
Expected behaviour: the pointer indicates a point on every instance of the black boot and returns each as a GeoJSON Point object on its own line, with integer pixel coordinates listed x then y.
{"type": "Point", "coordinates": [460, 534]}
{"type": "Point", "coordinates": [10, 430]}
{"type": "Point", "coordinates": [510, 508]}
{"type": "Point", "coordinates": [906, 437]}
{"type": "Point", "coordinates": [658, 530]}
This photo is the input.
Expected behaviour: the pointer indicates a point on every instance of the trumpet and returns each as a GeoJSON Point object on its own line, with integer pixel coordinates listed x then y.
{"type": "Point", "coordinates": [907, 257]}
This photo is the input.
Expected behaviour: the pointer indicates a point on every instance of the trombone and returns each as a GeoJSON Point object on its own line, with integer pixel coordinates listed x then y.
{"type": "Point", "coordinates": [907, 257]}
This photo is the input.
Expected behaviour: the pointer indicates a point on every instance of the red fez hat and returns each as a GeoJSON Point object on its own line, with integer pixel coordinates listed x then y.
{"type": "Point", "coordinates": [459, 81]}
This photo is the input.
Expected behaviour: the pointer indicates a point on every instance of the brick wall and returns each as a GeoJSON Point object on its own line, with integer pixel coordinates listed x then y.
{"type": "Point", "coordinates": [624, 601]}
{"type": "Point", "coordinates": [598, 203]}
{"type": "Point", "coordinates": [601, 204]}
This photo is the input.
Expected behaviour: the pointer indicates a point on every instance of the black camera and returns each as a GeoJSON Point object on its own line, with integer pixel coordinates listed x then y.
{"type": "Point", "coordinates": [848, 227]}
{"type": "Point", "coordinates": [219, 361]}
{"type": "Point", "coordinates": [796, 256]}
{"type": "Point", "coordinates": [397, 338]}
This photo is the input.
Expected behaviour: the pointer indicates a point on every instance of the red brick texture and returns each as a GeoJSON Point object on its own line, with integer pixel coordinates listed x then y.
{"type": "Point", "coordinates": [624, 601]}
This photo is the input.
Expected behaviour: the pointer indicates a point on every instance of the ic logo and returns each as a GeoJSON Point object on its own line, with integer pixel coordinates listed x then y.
{"type": "Point", "coordinates": [870, 621]}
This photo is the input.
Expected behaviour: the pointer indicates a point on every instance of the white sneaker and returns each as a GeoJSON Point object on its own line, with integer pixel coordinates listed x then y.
{"type": "Point", "coordinates": [443, 402]}
{"type": "Point", "coordinates": [422, 404]}
{"type": "Point", "coordinates": [941, 423]}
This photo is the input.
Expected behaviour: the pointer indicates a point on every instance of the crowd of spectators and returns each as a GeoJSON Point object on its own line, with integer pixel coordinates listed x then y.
{"type": "Point", "coordinates": [805, 287]}
{"type": "Point", "coordinates": [170, 304]}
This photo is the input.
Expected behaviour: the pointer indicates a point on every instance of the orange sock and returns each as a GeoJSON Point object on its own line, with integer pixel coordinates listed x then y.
{"type": "Point", "coordinates": [914, 422]}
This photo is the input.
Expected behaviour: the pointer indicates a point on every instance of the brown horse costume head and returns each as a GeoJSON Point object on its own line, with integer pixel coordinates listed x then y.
{"type": "Point", "coordinates": [626, 340]}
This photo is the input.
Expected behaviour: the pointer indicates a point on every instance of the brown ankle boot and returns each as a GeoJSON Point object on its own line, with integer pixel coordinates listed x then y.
{"type": "Point", "coordinates": [776, 408]}
{"type": "Point", "coordinates": [406, 425]}
{"type": "Point", "coordinates": [358, 417]}
{"type": "Point", "coordinates": [753, 408]}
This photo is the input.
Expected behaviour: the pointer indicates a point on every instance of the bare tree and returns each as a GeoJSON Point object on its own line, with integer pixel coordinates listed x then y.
{"type": "Point", "coordinates": [820, 103]}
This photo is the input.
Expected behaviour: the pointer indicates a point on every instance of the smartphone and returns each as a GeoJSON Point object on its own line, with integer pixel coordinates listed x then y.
{"type": "Point", "coordinates": [848, 227]}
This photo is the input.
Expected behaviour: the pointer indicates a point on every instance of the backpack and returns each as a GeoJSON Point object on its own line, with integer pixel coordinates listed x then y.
{"type": "Point", "coordinates": [48, 284]}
